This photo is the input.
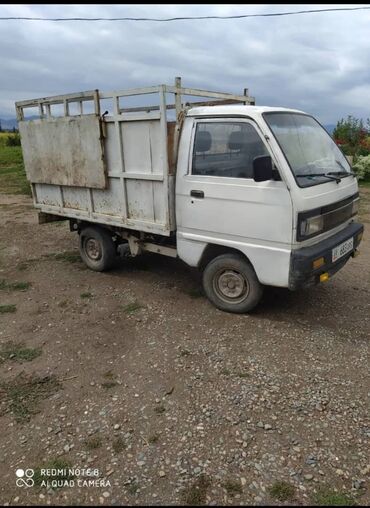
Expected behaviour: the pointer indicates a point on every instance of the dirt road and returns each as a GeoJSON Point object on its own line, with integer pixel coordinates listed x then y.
{"type": "Point", "coordinates": [133, 373]}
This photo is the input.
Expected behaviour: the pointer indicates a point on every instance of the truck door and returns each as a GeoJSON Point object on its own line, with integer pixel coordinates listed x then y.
{"type": "Point", "coordinates": [218, 201]}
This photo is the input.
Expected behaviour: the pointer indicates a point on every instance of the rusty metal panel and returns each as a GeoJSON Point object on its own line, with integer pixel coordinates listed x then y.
{"type": "Point", "coordinates": [108, 201]}
{"type": "Point", "coordinates": [140, 200]}
{"type": "Point", "coordinates": [64, 151]}
{"type": "Point", "coordinates": [75, 198]}
{"type": "Point", "coordinates": [49, 195]}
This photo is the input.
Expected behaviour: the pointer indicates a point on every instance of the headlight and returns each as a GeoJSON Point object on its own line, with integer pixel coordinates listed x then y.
{"type": "Point", "coordinates": [312, 225]}
{"type": "Point", "coordinates": [355, 206]}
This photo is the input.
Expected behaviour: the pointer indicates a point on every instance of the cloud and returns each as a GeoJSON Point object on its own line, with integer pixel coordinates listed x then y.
{"type": "Point", "coordinates": [315, 62]}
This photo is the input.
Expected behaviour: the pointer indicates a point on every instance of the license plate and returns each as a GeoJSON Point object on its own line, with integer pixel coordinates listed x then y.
{"type": "Point", "coordinates": [342, 249]}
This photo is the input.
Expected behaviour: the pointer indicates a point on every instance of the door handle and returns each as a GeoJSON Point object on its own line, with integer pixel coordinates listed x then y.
{"type": "Point", "coordinates": [197, 194]}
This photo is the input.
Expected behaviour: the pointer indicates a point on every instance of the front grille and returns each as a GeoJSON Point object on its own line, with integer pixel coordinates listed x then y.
{"type": "Point", "coordinates": [334, 215]}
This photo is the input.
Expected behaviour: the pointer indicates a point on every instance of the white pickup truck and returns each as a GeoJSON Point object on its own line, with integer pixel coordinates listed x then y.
{"type": "Point", "coordinates": [252, 196]}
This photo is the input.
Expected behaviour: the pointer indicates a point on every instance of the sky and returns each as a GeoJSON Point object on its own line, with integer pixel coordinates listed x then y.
{"type": "Point", "coordinates": [316, 62]}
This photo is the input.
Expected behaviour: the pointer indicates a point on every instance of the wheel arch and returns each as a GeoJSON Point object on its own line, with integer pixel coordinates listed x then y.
{"type": "Point", "coordinates": [213, 250]}
{"type": "Point", "coordinates": [79, 225]}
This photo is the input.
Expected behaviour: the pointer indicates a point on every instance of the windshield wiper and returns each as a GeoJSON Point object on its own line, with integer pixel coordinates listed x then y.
{"type": "Point", "coordinates": [343, 173]}
{"type": "Point", "coordinates": [327, 175]}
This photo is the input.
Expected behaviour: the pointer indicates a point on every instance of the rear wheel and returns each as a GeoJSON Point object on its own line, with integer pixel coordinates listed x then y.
{"type": "Point", "coordinates": [231, 284]}
{"type": "Point", "coordinates": [97, 248]}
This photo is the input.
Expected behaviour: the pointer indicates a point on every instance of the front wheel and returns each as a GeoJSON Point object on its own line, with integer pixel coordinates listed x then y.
{"type": "Point", "coordinates": [231, 284]}
{"type": "Point", "coordinates": [97, 248]}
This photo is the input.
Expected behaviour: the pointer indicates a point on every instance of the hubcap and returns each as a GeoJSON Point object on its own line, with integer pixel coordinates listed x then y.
{"type": "Point", "coordinates": [93, 249]}
{"type": "Point", "coordinates": [231, 286]}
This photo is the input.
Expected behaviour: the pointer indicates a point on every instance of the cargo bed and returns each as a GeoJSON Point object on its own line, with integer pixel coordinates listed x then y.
{"type": "Point", "coordinates": [114, 167]}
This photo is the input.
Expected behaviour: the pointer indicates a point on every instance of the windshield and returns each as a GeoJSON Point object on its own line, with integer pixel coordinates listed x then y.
{"type": "Point", "coordinates": [310, 151]}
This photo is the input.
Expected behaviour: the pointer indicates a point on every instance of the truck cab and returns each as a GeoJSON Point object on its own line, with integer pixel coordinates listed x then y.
{"type": "Point", "coordinates": [271, 184]}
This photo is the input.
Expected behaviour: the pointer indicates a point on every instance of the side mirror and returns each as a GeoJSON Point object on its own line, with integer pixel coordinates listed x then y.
{"type": "Point", "coordinates": [262, 168]}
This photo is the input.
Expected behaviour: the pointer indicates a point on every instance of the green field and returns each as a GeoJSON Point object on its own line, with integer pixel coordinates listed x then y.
{"type": "Point", "coordinates": [12, 175]}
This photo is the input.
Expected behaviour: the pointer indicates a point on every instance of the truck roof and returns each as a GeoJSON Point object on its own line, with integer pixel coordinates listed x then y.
{"type": "Point", "coordinates": [237, 109]}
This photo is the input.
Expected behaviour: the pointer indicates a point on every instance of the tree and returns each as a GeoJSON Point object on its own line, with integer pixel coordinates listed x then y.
{"type": "Point", "coordinates": [352, 136]}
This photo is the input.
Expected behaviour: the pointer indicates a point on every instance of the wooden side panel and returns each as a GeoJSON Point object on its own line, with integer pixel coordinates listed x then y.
{"type": "Point", "coordinates": [170, 147]}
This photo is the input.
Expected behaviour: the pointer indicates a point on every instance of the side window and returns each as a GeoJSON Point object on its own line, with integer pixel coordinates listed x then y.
{"type": "Point", "coordinates": [226, 149]}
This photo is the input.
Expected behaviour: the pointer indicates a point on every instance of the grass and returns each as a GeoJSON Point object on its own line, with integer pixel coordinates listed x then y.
{"type": "Point", "coordinates": [69, 256]}
{"type": "Point", "coordinates": [196, 493]}
{"type": "Point", "coordinates": [86, 295]}
{"type": "Point", "coordinates": [133, 488]}
{"type": "Point", "coordinates": [109, 384]}
{"type": "Point", "coordinates": [18, 353]}
{"type": "Point", "coordinates": [282, 491]}
{"type": "Point", "coordinates": [22, 395]}
{"type": "Point", "coordinates": [154, 438]}
{"type": "Point", "coordinates": [132, 307]}
{"type": "Point", "coordinates": [328, 497]}
{"type": "Point", "coordinates": [232, 487]}
{"type": "Point", "coordinates": [7, 308]}
{"type": "Point", "coordinates": [23, 266]}
{"type": "Point", "coordinates": [3, 138]}
{"type": "Point", "coordinates": [14, 286]}
{"type": "Point", "coordinates": [52, 464]}
{"type": "Point", "coordinates": [118, 445]}
{"type": "Point", "coordinates": [13, 178]}
{"type": "Point", "coordinates": [92, 443]}
{"type": "Point", "coordinates": [160, 409]}
{"type": "Point", "coordinates": [243, 374]}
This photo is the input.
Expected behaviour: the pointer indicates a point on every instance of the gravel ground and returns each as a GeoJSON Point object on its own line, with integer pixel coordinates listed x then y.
{"type": "Point", "coordinates": [135, 374]}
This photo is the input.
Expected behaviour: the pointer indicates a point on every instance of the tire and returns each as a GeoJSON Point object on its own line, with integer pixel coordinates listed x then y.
{"type": "Point", "coordinates": [231, 284]}
{"type": "Point", "coordinates": [97, 248]}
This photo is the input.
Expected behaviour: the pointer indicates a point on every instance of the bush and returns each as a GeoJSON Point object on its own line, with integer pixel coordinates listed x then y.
{"type": "Point", "coordinates": [13, 140]}
{"type": "Point", "coordinates": [362, 167]}
{"type": "Point", "coordinates": [352, 136]}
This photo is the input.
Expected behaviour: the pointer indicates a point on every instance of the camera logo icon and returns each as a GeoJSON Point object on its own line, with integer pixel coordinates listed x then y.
{"type": "Point", "coordinates": [25, 478]}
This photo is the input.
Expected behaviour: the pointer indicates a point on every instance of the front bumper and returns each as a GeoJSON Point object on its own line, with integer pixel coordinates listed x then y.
{"type": "Point", "coordinates": [302, 274]}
